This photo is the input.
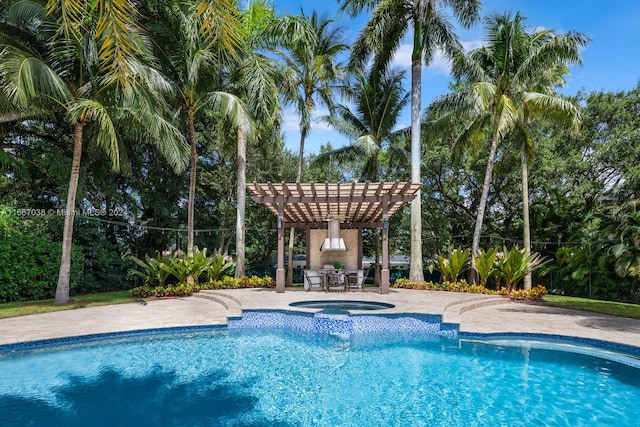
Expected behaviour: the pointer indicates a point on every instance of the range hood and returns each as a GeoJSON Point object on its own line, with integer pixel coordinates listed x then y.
{"type": "Point", "coordinates": [333, 243]}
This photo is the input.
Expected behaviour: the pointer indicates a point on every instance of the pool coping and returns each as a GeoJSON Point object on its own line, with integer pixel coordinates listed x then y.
{"type": "Point", "coordinates": [622, 348]}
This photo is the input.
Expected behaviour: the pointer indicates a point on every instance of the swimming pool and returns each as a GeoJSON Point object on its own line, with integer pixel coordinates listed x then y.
{"type": "Point", "coordinates": [282, 377]}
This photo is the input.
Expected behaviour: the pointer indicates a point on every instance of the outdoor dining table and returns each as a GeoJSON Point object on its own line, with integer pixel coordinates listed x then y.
{"type": "Point", "coordinates": [333, 278]}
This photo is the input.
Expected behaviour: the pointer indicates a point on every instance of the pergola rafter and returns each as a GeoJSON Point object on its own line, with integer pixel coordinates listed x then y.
{"type": "Point", "coordinates": [355, 204]}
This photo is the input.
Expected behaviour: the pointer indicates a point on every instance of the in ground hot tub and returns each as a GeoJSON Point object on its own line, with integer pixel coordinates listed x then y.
{"type": "Point", "coordinates": [343, 305]}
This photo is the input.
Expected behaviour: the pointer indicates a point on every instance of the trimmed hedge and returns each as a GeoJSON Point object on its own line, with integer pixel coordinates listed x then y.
{"type": "Point", "coordinates": [185, 289]}
{"type": "Point", "coordinates": [534, 294]}
{"type": "Point", "coordinates": [29, 267]}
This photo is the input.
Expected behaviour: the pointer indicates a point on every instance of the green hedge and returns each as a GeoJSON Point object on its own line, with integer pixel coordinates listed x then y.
{"type": "Point", "coordinates": [29, 267]}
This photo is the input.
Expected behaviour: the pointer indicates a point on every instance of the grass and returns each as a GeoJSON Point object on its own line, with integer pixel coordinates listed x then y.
{"type": "Point", "coordinates": [596, 306]}
{"type": "Point", "coordinates": [23, 308]}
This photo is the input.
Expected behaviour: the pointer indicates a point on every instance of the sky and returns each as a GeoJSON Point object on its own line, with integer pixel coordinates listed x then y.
{"type": "Point", "coordinates": [611, 61]}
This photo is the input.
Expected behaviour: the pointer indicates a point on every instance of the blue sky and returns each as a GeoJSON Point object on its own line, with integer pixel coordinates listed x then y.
{"type": "Point", "coordinates": [611, 61]}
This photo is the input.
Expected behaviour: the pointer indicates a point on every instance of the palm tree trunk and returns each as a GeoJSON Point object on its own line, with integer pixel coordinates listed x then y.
{"type": "Point", "coordinates": [488, 176]}
{"type": "Point", "coordinates": [292, 232]}
{"type": "Point", "coordinates": [62, 289]}
{"type": "Point", "coordinates": [416, 273]}
{"type": "Point", "coordinates": [376, 262]}
{"type": "Point", "coordinates": [526, 232]}
{"type": "Point", "coordinates": [192, 179]}
{"type": "Point", "coordinates": [241, 200]}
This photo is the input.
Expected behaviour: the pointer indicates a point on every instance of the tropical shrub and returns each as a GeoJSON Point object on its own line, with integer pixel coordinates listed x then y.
{"type": "Point", "coordinates": [186, 289]}
{"type": "Point", "coordinates": [485, 264]}
{"type": "Point", "coordinates": [154, 270]}
{"type": "Point", "coordinates": [458, 286]}
{"type": "Point", "coordinates": [515, 265]}
{"type": "Point", "coordinates": [179, 290]}
{"type": "Point", "coordinates": [182, 267]}
{"type": "Point", "coordinates": [535, 294]}
{"type": "Point", "coordinates": [188, 266]}
{"type": "Point", "coordinates": [453, 265]}
{"type": "Point", "coordinates": [219, 266]}
{"type": "Point", "coordinates": [603, 260]}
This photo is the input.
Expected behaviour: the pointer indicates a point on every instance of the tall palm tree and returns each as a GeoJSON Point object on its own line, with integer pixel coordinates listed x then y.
{"type": "Point", "coordinates": [193, 41]}
{"type": "Point", "coordinates": [383, 34]}
{"type": "Point", "coordinates": [315, 74]}
{"type": "Point", "coordinates": [509, 87]}
{"type": "Point", "coordinates": [85, 59]}
{"type": "Point", "coordinates": [379, 99]}
{"type": "Point", "coordinates": [253, 79]}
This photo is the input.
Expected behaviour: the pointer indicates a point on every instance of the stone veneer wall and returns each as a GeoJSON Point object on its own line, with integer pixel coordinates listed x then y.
{"type": "Point", "coordinates": [318, 259]}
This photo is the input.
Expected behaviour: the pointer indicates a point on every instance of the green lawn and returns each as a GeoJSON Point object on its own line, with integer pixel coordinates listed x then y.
{"type": "Point", "coordinates": [596, 306]}
{"type": "Point", "coordinates": [22, 308]}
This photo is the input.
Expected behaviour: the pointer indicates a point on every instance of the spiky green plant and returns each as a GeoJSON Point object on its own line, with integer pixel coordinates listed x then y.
{"type": "Point", "coordinates": [485, 264]}
{"type": "Point", "coordinates": [516, 264]}
{"type": "Point", "coordinates": [453, 265]}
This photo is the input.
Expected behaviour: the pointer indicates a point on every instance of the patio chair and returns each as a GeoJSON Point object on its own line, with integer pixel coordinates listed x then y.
{"type": "Point", "coordinates": [336, 280]}
{"type": "Point", "coordinates": [312, 279]}
{"type": "Point", "coordinates": [355, 279]}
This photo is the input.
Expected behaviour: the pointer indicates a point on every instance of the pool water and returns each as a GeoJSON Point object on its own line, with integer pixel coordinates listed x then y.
{"type": "Point", "coordinates": [276, 377]}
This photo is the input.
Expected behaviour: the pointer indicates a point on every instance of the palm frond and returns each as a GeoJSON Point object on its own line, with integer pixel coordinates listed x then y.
{"type": "Point", "coordinates": [89, 111]}
{"type": "Point", "coordinates": [71, 15]}
{"type": "Point", "coordinates": [355, 7]}
{"type": "Point", "coordinates": [555, 108]}
{"type": "Point", "coordinates": [506, 116]}
{"type": "Point", "coordinates": [234, 110]}
{"type": "Point", "coordinates": [26, 78]}
{"type": "Point", "coordinates": [346, 154]}
{"type": "Point", "coordinates": [119, 40]}
{"type": "Point", "coordinates": [474, 134]}
{"type": "Point", "coordinates": [484, 95]}
{"type": "Point", "coordinates": [384, 32]}
{"type": "Point", "coordinates": [220, 26]}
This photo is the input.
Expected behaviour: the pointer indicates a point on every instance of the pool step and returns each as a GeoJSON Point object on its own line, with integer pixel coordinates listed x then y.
{"type": "Point", "coordinates": [345, 323]}
{"type": "Point", "coordinates": [232, 304]}
{"type": "Point", "coordinates": [453, 310]}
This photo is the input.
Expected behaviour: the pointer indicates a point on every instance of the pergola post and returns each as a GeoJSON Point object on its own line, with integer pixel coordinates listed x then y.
{"type": "Point", "coordinates": [280, 273]}
{"type": "Point", "coordinates": [384, 274]}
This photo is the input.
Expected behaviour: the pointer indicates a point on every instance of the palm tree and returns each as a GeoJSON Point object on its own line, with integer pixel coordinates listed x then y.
{"type": "Point", "coordinates": [509, 87]}
{"type": "Point", "coordinates": [315, 72]}
{"type": "Point", "coordinates": [379, 98]}
{"type": "Point", "coordinates": [87, 60]}
{"type": "Point", "coordinates": [193, 40]}
{"type": "Point", "coordinates": [253, 79]}
{"type": "Point", "coordinates": [389, 23]}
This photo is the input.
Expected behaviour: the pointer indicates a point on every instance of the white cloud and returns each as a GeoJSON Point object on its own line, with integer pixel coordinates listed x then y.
{"type": "Point", "coordinates": [472, 44]}
{"type": "Point", "coordinates": [402, 57]}
{"type": "Point", "coordinates": [291, 122]}
{"type": "Point", "coordinates": [440, 64]}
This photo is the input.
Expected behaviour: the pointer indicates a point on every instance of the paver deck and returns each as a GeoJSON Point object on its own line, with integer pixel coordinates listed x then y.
{"type": "Point", "coordinates": [474, 313]}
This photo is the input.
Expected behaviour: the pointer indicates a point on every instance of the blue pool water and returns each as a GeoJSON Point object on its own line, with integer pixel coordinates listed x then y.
{"type": "Point", "coordinates": [280, 377]}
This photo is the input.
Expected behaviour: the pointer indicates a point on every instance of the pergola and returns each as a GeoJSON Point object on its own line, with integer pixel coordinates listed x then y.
{"type": "Point", "coordinates": [356, 205]}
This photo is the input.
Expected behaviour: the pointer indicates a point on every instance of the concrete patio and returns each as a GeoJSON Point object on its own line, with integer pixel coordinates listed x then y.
{"type": "Point", "coordinates": [474, 313]}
